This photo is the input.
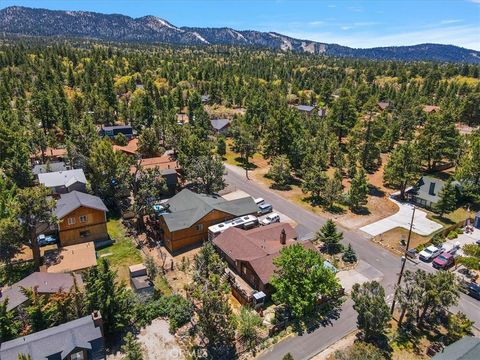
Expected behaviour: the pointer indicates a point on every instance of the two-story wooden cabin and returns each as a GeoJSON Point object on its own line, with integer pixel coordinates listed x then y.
{"type": "Point", "coordinates": [82, 218]}
{"type": "Point", "coordinates": [189, 216]}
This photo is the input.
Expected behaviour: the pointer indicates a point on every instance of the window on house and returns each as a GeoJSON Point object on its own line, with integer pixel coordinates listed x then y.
{"type": "Point", "coordinates": [199, 227]}
{"type": "Point", "coordinates": [84, 233]}
{"type": "Point", "coordinates": [71, 221]}
{"type": "Point", "coordinates": [83, 218]}
{"type": "Point", "coordinates": [79, 355]}
{"type": "Point", "coordinates": [431, 190]}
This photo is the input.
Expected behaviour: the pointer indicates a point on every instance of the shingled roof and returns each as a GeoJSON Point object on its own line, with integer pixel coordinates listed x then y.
{"type": "Point", "coordinates": [258, 246]}
{"type": "Point", "coordinates": [62, 178]}
{"type": "Point", "coordinates": [56, 342]}
{"type": "Point", "coordinates": [45, 283]}
{"type": "Point", "coordinates": [73, 200]}
{"type": "Point", "coordinates": [187, 207]}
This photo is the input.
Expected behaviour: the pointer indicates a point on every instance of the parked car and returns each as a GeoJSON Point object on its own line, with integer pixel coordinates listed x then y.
{"type": "Point", "coordinates": [473, 290]}
{"type": "Point", "coordinates": [265, 208]}
{"type": "Point", "coordinates": [270, 219]}
{"type": "Point", "coordinates": [412, 253]}
{"type": "Point", "coordinates": [443, 261]}
{"type": "Point", "coordinates": [430, 253]}
{"type": "Point", "coordinates": [44, 240]}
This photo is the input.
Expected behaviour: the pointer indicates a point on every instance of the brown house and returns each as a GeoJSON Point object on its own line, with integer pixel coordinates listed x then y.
{"type": "Point", "coordinates": [82, 218]}
{"type": "Point", "coordinates": [250, 253]}
{"type": "Point", "coordinates": [190, 214]}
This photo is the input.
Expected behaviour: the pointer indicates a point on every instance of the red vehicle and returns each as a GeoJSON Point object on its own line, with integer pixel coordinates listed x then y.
{"type": "Point", "coordinates": [443, 261]}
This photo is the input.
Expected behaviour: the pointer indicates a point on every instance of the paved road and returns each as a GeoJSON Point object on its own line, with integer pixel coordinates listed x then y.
{"type": "Point", "coordinates": [308, 345]}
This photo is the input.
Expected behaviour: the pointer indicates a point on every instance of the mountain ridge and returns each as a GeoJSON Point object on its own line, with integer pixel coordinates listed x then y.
{"type": "Point", "coordinates": [152, 29]}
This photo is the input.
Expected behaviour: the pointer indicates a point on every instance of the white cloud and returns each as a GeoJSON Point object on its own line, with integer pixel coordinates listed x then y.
{"type": "Point", "coordinates": [317, 23]}
{"type": "Point", "coordinates": [474, 1]}
{"type": "Point", "coordinates": [452, 21]}
{"type": "Point", "coordinates": [345, 27]}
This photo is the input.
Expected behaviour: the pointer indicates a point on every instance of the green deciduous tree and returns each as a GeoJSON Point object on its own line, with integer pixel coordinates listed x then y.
{"type": "Point", "coordinates": [206, 174]}
{"type": "Point", "coordinates": [468, 170]}
{"type": "Point", "coordinates": [458, 326]}
{"type": "Point", "coordinates": [330, 237]}
{"type": "Point", "coordinates": [373, 319]}
{"type": "Point", "coordinates": [403, 168]}
{"type": "Point", "coordinates": [108, 172]}
{"type": "Point", "coordinates": [147, 186]}
{"type": "Point", "coordinates": [302, 269]}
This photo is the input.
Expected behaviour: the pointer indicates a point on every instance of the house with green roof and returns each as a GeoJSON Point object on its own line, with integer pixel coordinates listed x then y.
{"type": "Point", "coordinates": [188, 216]}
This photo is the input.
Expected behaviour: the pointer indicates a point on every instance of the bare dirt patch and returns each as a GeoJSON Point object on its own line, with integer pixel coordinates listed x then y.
{"type": "Point", "coordinates": [391, 240]}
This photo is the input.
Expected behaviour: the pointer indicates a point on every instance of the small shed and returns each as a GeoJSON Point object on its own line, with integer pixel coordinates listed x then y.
{"type": "Point", "coordinates": [140, 281]}
{"type": "Point", "coordinates": [137, 270]}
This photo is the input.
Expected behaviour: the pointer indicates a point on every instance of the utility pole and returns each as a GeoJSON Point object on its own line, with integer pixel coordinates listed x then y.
{"type": "Point", "coordinates": [404, 260]}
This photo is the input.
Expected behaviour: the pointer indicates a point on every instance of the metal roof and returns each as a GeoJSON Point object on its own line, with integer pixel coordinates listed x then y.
{"type": "Point", "coordinates": [62, 178]}
{"type": "Point", "coordinates": [219, 124]}
{"type": "Point", "coordinates": [307, 108]}
{"type": "Point", "coordinates": [187, 207]}
{"type": "Point", "coordinates": [59, 341]}
{"type": "Point", "coordinates": [50, 167]}
{"type": "Point", "coordinates": [116, 127]}
{"type": "Point", "coordinates": [73, 200]}
{"type": "Point", "coordinates": [467, 348]}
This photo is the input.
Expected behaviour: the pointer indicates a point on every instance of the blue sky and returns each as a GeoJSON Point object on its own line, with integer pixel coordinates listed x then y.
{"type": "Point", "coordinates": [351, 23]}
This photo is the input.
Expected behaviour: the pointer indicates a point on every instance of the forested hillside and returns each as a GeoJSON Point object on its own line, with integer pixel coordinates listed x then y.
{"type": "Point", "coordinates": [151, 29]}
{"type": "Point", "coordinates": [57, 95]}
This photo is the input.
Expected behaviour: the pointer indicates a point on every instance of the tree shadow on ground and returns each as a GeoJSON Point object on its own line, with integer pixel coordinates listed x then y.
{"type": "Point", "coordinates": [249, 165]}
{"type": "Point", "coordinates": [361, 211]}
{"type": "Point", "coordinates": [324, 315]}
{"type": "Point", "coordinates": [375, 191]}
{"type": "Point", "coordinates": [443, 219]}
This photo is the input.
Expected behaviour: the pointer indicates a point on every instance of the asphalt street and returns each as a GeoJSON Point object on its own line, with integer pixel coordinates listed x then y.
{"type": "Point", "coordinates": [310, 344]}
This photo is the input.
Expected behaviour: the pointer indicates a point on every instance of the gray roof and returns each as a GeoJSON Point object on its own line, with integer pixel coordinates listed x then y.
{"type": "Point", "coordinates": [59, 341]}
{"type": "Point", "coordinates": [219, 124]}
{"type": "Point", "coordinates": [73, 200]}
{"type": "Point", "coordinates": [116, 127]}
{"type": "Point", "coordinates": [45, 283]}
{"type": "Point", "coordinates": [467, 348]}
{"type": "Point", "coordinates": [62, 178]}
{"type": "Point", "coordinates": [50, 167]}
{"type": "Point", "coordinates": [306, 108]}
{"type": "Point", "coordinates": [187, 207]}
{"type": "Point", "coordinates": [422, 188]}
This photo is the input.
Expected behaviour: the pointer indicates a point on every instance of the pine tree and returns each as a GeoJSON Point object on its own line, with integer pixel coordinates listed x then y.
{"type": "Point", "coordinates": [349, 255]}
{"type": "Point", "coordinates": [330, 237]}
{"type": "Point", "coordinates": [373, 318]}
{"type": "Point", "coordinates": [448, 199]}
{"type": "Point", "coordinates": [358, 193]}
{"type": "Point", "coordinates": [131, 348]}
{"type": "Point", "coordinates": [221, 146]}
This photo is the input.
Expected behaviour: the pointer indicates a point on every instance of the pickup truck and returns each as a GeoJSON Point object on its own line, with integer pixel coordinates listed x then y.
{"type": "Point", "coordinates": [430, 253]}
{"type": "Point", "coordinates": [443, 261]}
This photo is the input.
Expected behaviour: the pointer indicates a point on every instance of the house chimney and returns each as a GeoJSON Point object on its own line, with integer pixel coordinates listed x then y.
{"type": "Point", "coordinates": [283, 237]}
{"type": "Point", "coordinates": [97, 319]}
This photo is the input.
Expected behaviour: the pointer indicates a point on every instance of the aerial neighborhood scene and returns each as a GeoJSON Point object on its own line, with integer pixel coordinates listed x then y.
{"type": "Point", "coordinates": [272, 180]}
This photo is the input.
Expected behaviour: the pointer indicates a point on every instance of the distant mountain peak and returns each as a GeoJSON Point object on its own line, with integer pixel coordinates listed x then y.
{"type": "Point", "coordinates": [152, 29]}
